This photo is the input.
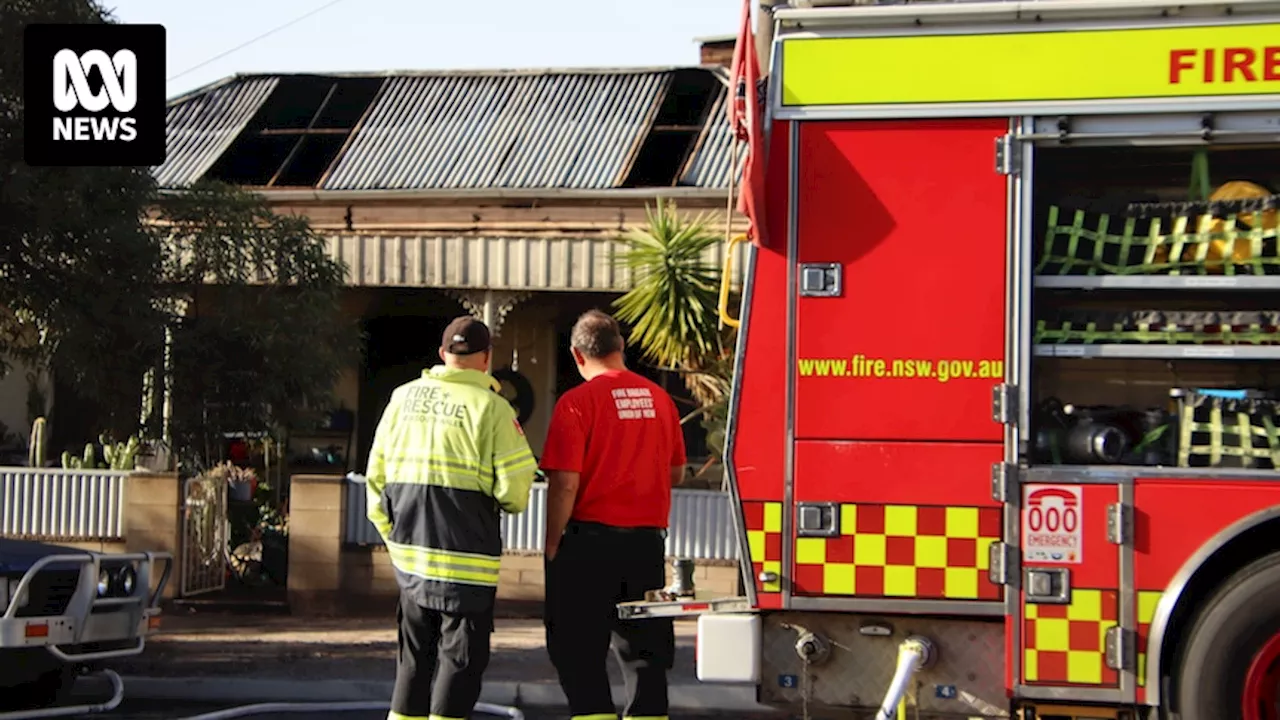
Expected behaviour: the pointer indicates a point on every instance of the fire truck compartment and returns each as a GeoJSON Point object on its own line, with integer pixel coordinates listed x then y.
{"type": "Point", "coordinates": [1155, 323]}
{"type": "Point", "coordinates": [1150, 365]}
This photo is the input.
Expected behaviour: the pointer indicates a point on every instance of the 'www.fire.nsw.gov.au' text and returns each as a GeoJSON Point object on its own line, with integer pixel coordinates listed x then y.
{"type": "Point", "coordinates": [861, 366]}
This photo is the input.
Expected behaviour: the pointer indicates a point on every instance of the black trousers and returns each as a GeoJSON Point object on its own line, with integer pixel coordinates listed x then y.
{"type": "Point", "coordinates": [596, 568]}
{"type": "Point", "coordinates": [440, 662]}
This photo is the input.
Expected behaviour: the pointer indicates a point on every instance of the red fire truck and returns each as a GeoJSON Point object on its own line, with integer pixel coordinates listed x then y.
{"type": "Point", "coordinates": [1005, 435]}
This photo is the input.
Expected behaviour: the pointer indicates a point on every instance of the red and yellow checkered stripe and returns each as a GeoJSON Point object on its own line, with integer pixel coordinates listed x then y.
{"type": "Point", "coordinates": [1066, 644]}
{"type": "Point", "coordinates": [1147, 602]}
{"type": "Point", "coordinates": [764, 535]}
{"type": "Point", "coordinates": [902, 551]}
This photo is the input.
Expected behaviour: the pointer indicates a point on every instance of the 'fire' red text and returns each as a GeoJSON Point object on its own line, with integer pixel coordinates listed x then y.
{"type": "Point", "coordinates": [1226, 64]}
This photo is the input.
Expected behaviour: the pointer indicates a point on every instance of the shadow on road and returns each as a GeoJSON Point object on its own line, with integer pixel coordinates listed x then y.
{"type": "Point", "coordinates": [360, 649]}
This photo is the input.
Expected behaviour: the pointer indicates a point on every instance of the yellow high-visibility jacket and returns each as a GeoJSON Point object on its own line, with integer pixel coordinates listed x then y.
{"type": "Point", "coordinates": [448, 454]}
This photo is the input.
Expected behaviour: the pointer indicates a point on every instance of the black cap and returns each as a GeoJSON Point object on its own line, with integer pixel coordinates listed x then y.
{"type": "Point", "coordinates": [465, 336]}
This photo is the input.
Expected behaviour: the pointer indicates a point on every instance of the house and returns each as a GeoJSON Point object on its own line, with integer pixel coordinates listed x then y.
{"type": "Point", "coordinates": [498, 193]}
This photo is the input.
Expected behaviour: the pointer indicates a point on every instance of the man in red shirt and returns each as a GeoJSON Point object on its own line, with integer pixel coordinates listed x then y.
{"type": "Point", "coordinates": [613, 452]}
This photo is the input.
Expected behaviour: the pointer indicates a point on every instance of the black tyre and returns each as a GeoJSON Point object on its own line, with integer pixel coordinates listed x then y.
{"type": "Point", "coordinates": [1230, 666]}
{"type": "Point", "coordinates": [518, 391]}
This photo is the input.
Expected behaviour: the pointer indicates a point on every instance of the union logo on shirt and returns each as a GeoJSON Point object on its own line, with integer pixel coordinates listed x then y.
{"type": "Point", "coordinates": [634, 403]}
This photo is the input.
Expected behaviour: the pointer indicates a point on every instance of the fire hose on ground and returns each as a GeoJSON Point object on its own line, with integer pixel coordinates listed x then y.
{"type": "Point", "coordinates": [117, 696]}
{"type": "Point", "coordinates": [304, 707]}
{"type": "Point", "coordinates": [913, 654]}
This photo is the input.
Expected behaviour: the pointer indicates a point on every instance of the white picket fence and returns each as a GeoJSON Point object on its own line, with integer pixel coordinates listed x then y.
{"type": "Point", "coordinates": [701, 525]}
{"type": "Point", "coordinates": [62, 505]}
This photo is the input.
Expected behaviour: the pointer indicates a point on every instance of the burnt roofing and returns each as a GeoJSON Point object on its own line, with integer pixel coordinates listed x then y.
{"type": "Point", "coordinates": [583, 129]}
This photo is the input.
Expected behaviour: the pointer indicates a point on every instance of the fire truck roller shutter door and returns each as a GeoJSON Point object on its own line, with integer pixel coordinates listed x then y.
{"type": "Point", "coordinates": [1229, 665]}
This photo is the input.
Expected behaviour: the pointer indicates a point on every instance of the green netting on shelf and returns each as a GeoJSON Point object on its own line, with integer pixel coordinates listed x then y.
{"type": "Point", "coordinates": [1227, 432]}
{"type": "Point", "coordinates": [1159, 327]}
{"type": "Point", "coordinates": [1082, 243]}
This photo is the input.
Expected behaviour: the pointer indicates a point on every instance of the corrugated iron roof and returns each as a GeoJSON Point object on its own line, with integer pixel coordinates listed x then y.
{"type": "Point", "coordinates": [712, 163]}
{"type": "Point", "coordinates": [509, 131]}
{"type": "Point", "coordinates": [573, 129]}
{"type": "Point", "coordinates": [202, 125]}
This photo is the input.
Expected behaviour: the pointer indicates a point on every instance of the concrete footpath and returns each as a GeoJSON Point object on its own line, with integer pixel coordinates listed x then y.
{"type": "Point", "coordinates": [199, 657]}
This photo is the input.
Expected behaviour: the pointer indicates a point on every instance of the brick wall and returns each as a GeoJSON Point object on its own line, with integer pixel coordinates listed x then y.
{"type": "Point", "coordinates": [153, 521]}
{"type": "Point", "coordinates": [315, 544]}
{"type": "Point", "coordinates": [719, 52]}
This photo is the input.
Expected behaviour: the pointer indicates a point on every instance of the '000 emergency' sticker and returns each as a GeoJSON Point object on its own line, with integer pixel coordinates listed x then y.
{"type": "Point", "coordinates": [1052, 523]}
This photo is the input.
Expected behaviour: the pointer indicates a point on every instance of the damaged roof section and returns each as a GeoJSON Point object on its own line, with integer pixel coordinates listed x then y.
{"type": "Point", "coordinates": [568, 129]}
{"type": "Point", "coordinates": [201, 127]}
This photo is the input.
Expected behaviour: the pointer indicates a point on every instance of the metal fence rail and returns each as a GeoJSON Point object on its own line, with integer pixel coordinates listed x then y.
{"type": "Point", "coordinates": [527, 532]}
{"type": "Point", "coordinates": [62, 505]}
{"type": "Point", "coordinates": [701, 523]}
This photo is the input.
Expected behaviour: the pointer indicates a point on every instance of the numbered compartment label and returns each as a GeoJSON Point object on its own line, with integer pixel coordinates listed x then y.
{"type": "Point", "coordinates": [1053, 523]}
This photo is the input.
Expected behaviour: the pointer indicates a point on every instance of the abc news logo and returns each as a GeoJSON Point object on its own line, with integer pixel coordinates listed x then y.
{"type": "Point", "coordinates": [71, 91]}
{"type": "Point", "coordinates": [95, 95]}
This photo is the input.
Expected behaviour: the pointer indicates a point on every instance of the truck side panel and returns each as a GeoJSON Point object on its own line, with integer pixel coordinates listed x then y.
{"type": "Point", "coordinates": [894, 432]}
{"type": "Point", "coordinates": [914, 213]}
{"type": "Point", "coordinates": [759, 429]}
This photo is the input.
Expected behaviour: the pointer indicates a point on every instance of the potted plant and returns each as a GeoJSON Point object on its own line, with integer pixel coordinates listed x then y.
{"type": "Point", "coordinates": [241, 481]}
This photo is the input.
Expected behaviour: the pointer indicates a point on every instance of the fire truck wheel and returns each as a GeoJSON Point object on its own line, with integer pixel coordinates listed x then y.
{"type": "Point", "coordinates": [1230, 665]}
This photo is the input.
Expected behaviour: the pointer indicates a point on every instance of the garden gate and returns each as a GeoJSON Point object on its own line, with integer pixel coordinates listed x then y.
{"type": "Point", "coordinates": [204, 535]}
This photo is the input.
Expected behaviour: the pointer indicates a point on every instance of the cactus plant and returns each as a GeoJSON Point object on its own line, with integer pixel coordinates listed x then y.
{"type": "Point", "coordinates": [129, 457]}
{"type": "Point", "coordinates": [118, 455]}
{"type": "Point", "coordinates": [36, 454]}
{"type": "Point", "coordinates": [121, 455]}
{"type": "Point", "coordinates": [71, 462]}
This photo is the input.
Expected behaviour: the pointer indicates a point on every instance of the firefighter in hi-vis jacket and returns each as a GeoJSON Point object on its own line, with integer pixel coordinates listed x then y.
{"type": "Point", "coordinates": [447, 455]}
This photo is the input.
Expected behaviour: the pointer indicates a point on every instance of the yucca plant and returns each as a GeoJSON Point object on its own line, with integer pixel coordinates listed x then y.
{"type": "Point", "coordinates": [672, 304]}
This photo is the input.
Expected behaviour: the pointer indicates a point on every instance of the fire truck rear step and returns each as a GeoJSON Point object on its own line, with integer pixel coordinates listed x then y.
{"type": "Point", "coordinates": [1072, 712]}
{"type": "Point", "coordinates": [684, 607]}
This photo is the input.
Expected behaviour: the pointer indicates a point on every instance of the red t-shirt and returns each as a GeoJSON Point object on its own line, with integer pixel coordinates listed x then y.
{"type": "Point", "coordinates": [622, 434]}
